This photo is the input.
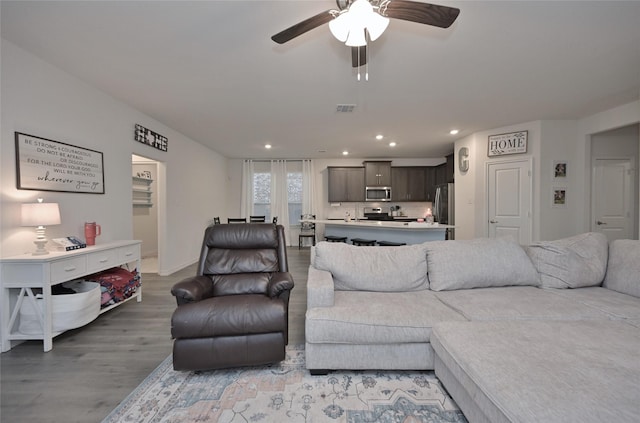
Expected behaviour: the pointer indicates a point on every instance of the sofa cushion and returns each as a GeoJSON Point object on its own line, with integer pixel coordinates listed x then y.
{"type": "Point", "coordinates": [540, 371]}
{"type": "Point", "coordinates": [617, 305]}
{"type": "Point", "coordinates": [623, 270]}
{"type": "Point", "coordinates": [478, 263]}
{"type": "Point", "coordinates": [382, 269]}
{"type": "Point", "coordinates": [573, 262]}
{"type": "Point", "coordinates": [518, 303]}
{"type": "Point", "coordinates": [360, 317]}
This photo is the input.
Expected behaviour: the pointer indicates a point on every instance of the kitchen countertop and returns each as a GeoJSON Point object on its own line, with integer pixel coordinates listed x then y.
{"type": "Point", "coordinates": [386, 224]}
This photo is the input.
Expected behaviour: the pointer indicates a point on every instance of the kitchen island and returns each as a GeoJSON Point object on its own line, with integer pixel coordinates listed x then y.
{"type": "Point", "coordinates": [407, 232]}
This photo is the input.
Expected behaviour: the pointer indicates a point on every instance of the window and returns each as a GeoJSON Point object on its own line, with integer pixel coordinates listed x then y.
{"type": "Point", "coordinates": [262, 190]}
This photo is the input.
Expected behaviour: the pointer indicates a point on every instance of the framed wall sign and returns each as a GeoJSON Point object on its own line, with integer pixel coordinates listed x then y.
{"type": "Point", "coordinates": [47, 165]}
{"type": "Point", "coordinates": [505, 144]}
{"type": "Point", "coordinates": [147, 136]}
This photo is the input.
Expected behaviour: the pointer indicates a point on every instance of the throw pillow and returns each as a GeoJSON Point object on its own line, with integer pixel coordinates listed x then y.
{"type": "Point", "coordinates": [381, 269]}
{"type": "Point", "coordinates": [623, 269]}
{"type": "Point", "coordinates": [572, 262]}
{"type": "Point", "coordinates": [478, 263]}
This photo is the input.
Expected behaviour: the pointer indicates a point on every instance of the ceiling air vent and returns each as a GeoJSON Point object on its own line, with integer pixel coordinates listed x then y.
{"type": "Point", "coordinates": [345, 108]}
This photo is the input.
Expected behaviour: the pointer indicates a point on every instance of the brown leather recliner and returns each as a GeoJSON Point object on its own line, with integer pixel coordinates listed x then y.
{"type": "Point", "coordinates": [235, 311]}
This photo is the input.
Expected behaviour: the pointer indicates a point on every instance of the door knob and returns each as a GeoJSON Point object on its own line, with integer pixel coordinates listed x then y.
{"type": "Point", "coordinates": [600, 223]}
{"type": "Point", "coordinates": [493, 221]}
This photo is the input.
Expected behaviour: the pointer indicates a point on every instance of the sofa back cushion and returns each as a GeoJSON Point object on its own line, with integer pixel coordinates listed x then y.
{"type": "Point", "coordinates": [381, 269]}
{"type": "Point", "coordinates": [623, 269]}
{"type": "Point", "coordinates": [572, 262]}
{"type": "Point", "coordinates": [478, 263]}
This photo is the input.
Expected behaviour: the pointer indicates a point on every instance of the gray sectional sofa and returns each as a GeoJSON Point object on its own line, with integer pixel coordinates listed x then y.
{"type": "Point", "coordinates": [544, 333]}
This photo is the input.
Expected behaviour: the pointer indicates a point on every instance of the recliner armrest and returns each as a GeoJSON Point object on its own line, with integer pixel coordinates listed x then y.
{"type": "Point", "coordinates": [281, 282]}
{"type": "Point", "coordinates": [192, 289]}
{"type": "Point", "coordinates": [320, 288]}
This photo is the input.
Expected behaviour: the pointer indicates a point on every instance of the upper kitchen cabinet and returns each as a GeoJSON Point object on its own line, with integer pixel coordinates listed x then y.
{"type": "Point", "coordinates": [346, 184]}
{"type": "Point", "coordinates": [409, 183]}
{"type": "Point", "coordinates": [377, 174]}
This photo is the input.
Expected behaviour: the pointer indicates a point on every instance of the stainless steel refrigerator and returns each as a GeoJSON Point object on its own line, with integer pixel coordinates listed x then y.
{"type": "Point", "coordinates": [444, 207]}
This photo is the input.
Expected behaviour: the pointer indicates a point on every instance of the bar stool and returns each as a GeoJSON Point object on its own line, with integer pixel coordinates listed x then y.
{"type": "Point", "coordinates": [390, 244]}
{"type": "Point", "coordinates": [333, 238]}
{"type": "Point", "coordinates": [363, 242]}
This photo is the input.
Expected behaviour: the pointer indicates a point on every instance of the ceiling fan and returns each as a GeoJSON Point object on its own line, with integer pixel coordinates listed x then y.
{"type": "Point", "coordinates": [354, 19]}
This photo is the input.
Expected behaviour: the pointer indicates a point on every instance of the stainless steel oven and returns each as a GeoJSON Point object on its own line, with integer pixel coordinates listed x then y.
{"type": "Point", "coordinates": [378, 193]}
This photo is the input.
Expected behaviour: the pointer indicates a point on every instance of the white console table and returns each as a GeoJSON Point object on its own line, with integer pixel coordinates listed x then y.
{"type": "Point", "coordinates": [20, 274]}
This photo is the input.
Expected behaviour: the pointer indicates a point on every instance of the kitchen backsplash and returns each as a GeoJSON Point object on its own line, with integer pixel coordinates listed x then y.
{"type": "Point", "coordinates": [357, 209]}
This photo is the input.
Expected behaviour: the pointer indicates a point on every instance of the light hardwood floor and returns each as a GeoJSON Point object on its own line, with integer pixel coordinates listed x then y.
{"type": "Point", "coordinates": [91, 369]}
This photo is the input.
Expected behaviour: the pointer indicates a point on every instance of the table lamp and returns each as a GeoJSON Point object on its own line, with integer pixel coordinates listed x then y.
{"type": "Point", "coordinates": [40, 215]}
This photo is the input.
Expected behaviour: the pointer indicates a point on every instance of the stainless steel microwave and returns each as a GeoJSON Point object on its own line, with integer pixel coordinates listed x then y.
{"type": "Point", "coordinates": [378, 193]}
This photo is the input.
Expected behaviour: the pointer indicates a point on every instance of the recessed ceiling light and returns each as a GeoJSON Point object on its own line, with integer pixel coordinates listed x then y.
{"type": "Point", "coordinates": [345, 153]}
{"type": "Point", "coordinates": [454, 131]}
{"type": "Point", "coordinates": [392, 144]}
{"type": "Point", "coordinates": [267, 146]}
{"type": "Point", "coordinates": [379, 137]}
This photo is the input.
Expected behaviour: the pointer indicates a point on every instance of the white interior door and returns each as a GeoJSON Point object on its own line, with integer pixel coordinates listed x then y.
{"type": "Point", "coordinates": [612, 198]}
{"type": "Point", "coordinates": [509, 200]}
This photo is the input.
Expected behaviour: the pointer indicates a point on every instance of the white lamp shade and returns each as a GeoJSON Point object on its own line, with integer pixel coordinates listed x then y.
{"type": "Point", "coordinates": [339, 27]}
{"type": "Point", "coordinates": [40, 214]}
{"type": "Point", "coordinates": [376, 25]}
{"type": "Point", "coordinates": [356, 38]}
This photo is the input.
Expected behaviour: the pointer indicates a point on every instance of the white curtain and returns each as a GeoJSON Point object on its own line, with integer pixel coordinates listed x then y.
{"type": "Point", "coordinates": [308, 187]}
{"type": "Point", "coordinates": [280, 194]}
{"type": "Point", "coordinates": [246, 203]}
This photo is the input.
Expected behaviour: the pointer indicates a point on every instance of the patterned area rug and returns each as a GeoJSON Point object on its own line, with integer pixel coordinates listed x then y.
{"type": "Point", "coordinates": [286, 392]}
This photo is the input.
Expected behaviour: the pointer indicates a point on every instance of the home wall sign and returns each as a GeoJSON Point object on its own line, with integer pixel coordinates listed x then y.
{"type": "Point", "coordinates": [147, 136]}
{"type": "Point", "coordinates": [47, 165]}
{"type": "Point", "coordinates": [505, 144]}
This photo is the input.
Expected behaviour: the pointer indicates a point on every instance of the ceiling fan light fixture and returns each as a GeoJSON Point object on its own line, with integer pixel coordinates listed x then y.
{"type": "Point", "coordinates": [349, 26]}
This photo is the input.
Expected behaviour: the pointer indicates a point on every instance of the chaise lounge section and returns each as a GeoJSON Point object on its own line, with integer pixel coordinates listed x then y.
{"type": "Point", "coordinates": [550, 332]}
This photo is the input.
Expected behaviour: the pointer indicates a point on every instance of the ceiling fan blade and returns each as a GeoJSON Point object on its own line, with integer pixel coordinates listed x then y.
{"type": "Point", "coordinates": [354, 56]}
{"type": "Point", "coordinates": [424, 13]}
{"type": "Point", "coordinates": [302, 27]}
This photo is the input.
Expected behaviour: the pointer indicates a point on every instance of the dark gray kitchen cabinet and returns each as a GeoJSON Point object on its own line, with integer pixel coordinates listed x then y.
{"type": "Point", "coordinates": [377, 174]}
{"type": "Point", "coordinates": [346, 184]}
{"type": "Point", "coordinates": [409, 183]}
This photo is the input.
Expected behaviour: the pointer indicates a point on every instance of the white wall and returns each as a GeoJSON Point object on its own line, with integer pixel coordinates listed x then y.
{"type": "Point", "coordinates": [549, 141]}
{"type": "Point", "coordinates": [41, 100]}
{"type": "Point", "coordinates": [471, 186]}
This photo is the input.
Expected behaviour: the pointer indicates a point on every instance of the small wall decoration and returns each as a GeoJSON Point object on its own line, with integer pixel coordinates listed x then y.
{"type": "Point", "coordinates": [505, 144]}
{"type": "Point", "coordinates": [560, 169]}
{"type": "Point", "coordinates": [559, 197]}
{"type": "Point", "coordinates": [147, 136]}
{"type": "Point", "coordinates": [47, 165]}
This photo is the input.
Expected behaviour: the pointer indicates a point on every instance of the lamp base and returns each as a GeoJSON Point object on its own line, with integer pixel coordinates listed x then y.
{"type": "Point", "coordinates": [40, 250]}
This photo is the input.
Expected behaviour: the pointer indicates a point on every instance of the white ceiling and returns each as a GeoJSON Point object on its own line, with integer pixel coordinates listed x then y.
{"type": "Point", "coordinates": [209, 70]}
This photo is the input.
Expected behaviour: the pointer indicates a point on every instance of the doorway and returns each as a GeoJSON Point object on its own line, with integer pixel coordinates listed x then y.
{"type": "Point", "coordinates": [145, 191]}
{"type": "Point", "coordinates": [612, 198]}
{"type": "Point", "coordinates": [509, 200]}
{"type": "Point", "coordinates": [614, 182]}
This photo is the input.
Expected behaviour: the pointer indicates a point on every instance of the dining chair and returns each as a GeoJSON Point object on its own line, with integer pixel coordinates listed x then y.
{"type": "Point", "coordinates": [307, 229]}
{"type": "Point", "coordinates": [256, 219]}
{"type": "Point", "coordinates": [237, 220]}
